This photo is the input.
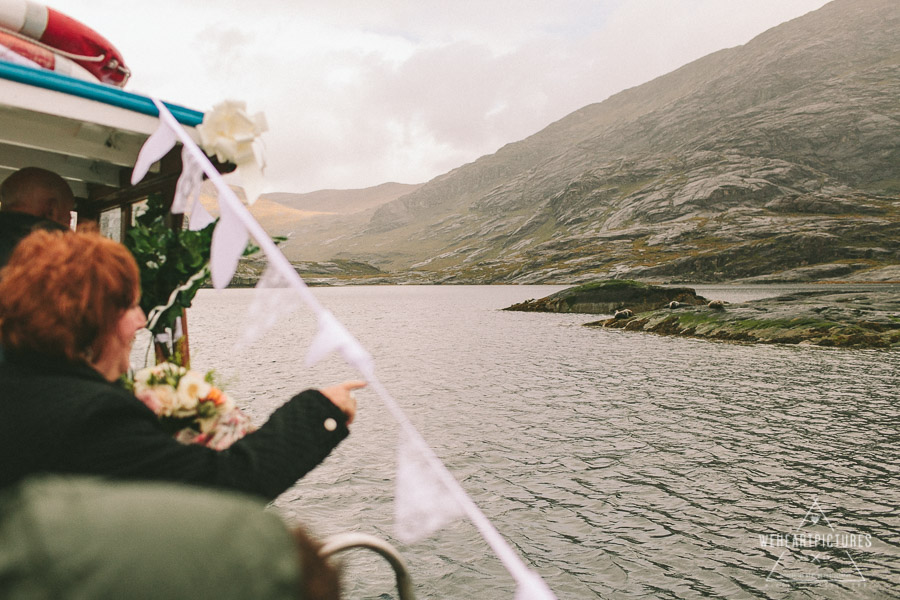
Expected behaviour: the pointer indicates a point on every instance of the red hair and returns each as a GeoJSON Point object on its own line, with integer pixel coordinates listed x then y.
{"type": "Point", "coordinates": [62, 293]}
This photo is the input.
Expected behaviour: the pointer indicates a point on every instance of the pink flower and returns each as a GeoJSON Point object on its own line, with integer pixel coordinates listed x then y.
{"type": "Point", "coordinates": [149, 398]}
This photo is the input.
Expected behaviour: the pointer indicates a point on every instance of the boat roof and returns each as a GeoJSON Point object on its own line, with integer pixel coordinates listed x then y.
{"type": "Point", "coordinates": [89, 133]}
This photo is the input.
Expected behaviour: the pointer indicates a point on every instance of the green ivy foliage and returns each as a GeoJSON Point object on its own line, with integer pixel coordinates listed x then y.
{"type": "Point", "coordinates": [167, 259]}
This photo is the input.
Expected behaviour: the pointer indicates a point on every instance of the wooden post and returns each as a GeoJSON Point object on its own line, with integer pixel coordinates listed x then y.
{"type": "Point", "coordinates": [182, 348]}
{"type": "Point", "coordinates": [125, 221]}
{"type": "Point", "coordinates": [171, 165]}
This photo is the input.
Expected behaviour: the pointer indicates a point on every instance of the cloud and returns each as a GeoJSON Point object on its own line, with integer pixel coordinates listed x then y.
{"type": "Point", "coordinates": [357, 94]}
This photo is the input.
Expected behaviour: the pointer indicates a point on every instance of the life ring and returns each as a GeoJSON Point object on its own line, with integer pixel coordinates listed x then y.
{"type": "Point", "coordinates": [18, 50]}
{"type": "Point", "coordinates": [65, 37]}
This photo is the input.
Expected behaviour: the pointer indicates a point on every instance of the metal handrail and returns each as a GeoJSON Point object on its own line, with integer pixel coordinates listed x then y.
{"type": "Point", "coordinates": [345, 541]}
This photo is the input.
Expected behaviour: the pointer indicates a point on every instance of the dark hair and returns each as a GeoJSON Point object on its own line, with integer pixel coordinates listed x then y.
{"type": "Point", "coordinates": [62, 293]}
{"type": "Point", "coordinates": [319, 579]}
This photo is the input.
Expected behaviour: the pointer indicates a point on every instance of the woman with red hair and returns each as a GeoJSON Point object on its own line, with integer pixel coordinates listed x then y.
{"type": "Point", "coordinates": [68, 315]}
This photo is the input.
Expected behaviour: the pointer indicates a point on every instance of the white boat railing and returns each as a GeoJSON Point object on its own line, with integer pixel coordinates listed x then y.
{"type": "Point", "coordinates": [346, 541]}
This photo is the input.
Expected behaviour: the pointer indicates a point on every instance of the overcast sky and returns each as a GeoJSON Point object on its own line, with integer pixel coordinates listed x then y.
{"type": "Point", "coordinates": [361, 92]}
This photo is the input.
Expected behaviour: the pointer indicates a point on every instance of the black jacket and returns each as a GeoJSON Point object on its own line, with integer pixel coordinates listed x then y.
{"type": "Point", "coordinates": [62, 418]}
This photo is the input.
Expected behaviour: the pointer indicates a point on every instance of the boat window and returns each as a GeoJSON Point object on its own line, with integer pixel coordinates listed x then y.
{"type": "Point", "coordinates": [111, 224]}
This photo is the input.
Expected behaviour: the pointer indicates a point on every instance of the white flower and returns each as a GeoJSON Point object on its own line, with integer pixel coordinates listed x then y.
{"type": "Point", "coordinates": [141, 377]}
{"type": "Point", "coordinates": [191, 388]}
{"type": "Point", "coordinates": [229, 132]}
{"type": "Point", "coordinates": [233, 136]}
{"type": "Point", "coordinates": [165, 399]}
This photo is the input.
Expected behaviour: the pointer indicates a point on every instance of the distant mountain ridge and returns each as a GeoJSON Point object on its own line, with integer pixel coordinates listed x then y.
{"type": "Point", "coordinates": [779, 154]}
{"type": "Point", "coordinates": [344, 201]}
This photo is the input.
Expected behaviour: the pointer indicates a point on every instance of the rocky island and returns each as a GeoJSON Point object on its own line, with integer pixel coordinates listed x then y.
{"type": "Point", "coordinates": [827, 317]}
{"type": "Point", "coordinates": [607, 297]}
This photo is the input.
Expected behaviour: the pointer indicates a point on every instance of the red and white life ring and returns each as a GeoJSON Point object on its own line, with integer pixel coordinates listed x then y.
{"type": "Point", "coordinates": [65, 37]}
{"type": "Point", "coordinates": [16, 49]}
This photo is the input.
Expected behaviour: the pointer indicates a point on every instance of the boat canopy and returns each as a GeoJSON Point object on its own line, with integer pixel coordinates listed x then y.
{"type": "Point", "coordinates": [89, 133]}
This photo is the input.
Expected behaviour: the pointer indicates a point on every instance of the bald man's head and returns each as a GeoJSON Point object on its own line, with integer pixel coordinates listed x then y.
{"type": "Point", "coordinates": [38, 192]}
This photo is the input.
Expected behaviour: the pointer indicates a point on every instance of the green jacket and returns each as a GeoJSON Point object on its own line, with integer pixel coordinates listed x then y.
{"type": "Point", "coordinates": [81, 538]}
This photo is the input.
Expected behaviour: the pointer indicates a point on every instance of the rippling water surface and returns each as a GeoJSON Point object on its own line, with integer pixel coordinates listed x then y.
{"type": "Point", "coordinates": [617, 464]}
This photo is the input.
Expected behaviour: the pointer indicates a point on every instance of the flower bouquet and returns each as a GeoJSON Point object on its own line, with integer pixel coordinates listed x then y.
{"type": "Point", "coordinates": [190, 406]}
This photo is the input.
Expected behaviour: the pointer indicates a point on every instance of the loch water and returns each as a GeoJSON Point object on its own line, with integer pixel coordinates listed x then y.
{"type": "Point", "coordinates": [617, 464]}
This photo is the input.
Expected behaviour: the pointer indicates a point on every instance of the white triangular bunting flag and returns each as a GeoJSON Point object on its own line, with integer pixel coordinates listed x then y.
{"type": "Point", "coordinates": [252, 181]}
{"type": "Point", "coordinates": [200, 217]}
{"type": "Point", "coordinates": [422, 502]}
{"type": "Point", "coordinates": [272, 300]}
{"type": "Point", "coordinates": [332, 335]}
{"type": "Point", "coordinates": [187, 190]}
{"type": "Point", "coordinates": [228, 242]}
{"type": "Point", "coordinates": [156, 146]}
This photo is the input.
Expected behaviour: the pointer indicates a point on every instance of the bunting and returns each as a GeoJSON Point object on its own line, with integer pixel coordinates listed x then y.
{"type": "Point", "coordinates": [187, 190]}
{"type": "Point", "coordinates": [274, 299]}
{"type": "Point", "coordinates": [229, 239]}
{"type": "Point", "coordinates": [427, 497]}
{"type": "Point", "coordinates": [333, 336]}
{"type": "Point", "coordinates": [423, 503]}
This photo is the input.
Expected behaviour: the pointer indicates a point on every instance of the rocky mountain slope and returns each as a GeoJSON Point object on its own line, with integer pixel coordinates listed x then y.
{"type": "Point", "coordinates": [770, 157]}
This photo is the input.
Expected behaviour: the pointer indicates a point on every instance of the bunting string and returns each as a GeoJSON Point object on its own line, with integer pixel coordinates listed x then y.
{"type": "Point", "coordinates": [424, 484]}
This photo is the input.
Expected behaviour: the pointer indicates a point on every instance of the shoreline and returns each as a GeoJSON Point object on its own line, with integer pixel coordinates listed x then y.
{"type": "Point", "coordinates": [842, 316]}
